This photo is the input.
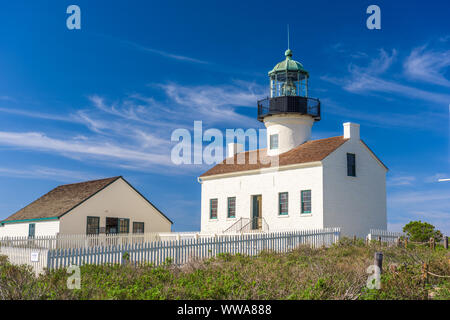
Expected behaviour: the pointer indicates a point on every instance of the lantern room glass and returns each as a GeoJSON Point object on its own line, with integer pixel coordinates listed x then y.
{"type": "Point", "coordinates": [288, 84]}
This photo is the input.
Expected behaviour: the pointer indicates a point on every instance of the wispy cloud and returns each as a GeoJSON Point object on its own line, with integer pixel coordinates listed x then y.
{"type": "Point", "coordinates": [411, 197]}
{"type": "Point", "coordinates": [159, 52]}
{"type": "Point", "coordinates": [96, 150]}
{"type": "Point", "coordinates": [38, 172]}
{"type": "Point", "coordinates": [401, 180]}
{"type": "Point", "coordinates": [378, 65]}
{"type": "Point", "coordinates": [430, 205]}
{"type": "Point", "coordinates": [183, 104]}
{"type": "Point", "coordinates": [37, 115]}
{"type": "Point", "coordinates": [7, 98]}
{"type": "Point", "coordinates": [133, 131]}
{"type": "Point", "coordinates": [435, 178]}
{"type": "Point", "coordinates": [138, 109]}
{"type": "Point", "coordinates": [165, 54]}
{"type": "Point", "coordinates": [428, 66]}
{"type": "Point", "coordinates": [340, 48]}
{"type": "Point", "coordinates": [425, 120]}
{"type": "Point", "coordinates": [182, 58]}
{"type": "Point", "coordinates": [215, 104]}
{"type": "Point", "coordinates": [214, 96]}
{"type": "Point", "coordinates": [372, 78]}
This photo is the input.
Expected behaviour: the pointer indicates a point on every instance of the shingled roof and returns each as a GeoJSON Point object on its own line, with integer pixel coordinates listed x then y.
{"type": "Point", "coordinates": [61, 200]}
{"type": "Point", "coordinates": [310, 151]}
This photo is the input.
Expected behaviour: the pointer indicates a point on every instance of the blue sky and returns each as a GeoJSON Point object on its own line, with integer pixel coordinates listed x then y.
{"type": "Point", "coordinates": [104, 100]}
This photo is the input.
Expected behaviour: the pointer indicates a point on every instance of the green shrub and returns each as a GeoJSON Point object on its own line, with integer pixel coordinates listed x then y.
{"type": "Point", "coordinates": [338, 272]}
{"type": "Point", "coordinates": [421, 231]}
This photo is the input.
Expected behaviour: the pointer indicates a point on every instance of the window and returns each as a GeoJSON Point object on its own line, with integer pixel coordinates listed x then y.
{"type": "Point", "coordinates": [124, 225]}
{"type": "Point", "coordinates": [117, 225]}
{"type": "Point", "coordinates": [283, 203]}
{"type": "Point", "coordinates": [306, 201]}
{"type": "Point", "coordinates": [31, 230]}
{"type": "Point", "coordinates": [112, 225]}
{"type": "Point", "coordinates": [213, 208]}
{"type": "Point", "coordinates": [138, 227]}
{"type": "Point", "coordinates": [351, 165]}
{"type": "Point", "coordinates": [232, 207]}
{"type": "Point", "coordinates": [273, 141]}
{"type": "Point", "coordinates": [93, 225]}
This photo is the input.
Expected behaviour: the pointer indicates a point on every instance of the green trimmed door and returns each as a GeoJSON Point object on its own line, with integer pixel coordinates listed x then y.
{"type": "Point", "coordinates": [256, 212]}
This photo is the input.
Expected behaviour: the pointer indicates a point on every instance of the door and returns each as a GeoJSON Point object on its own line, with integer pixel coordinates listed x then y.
{"type": "Point", "coordinates": [256, 212]}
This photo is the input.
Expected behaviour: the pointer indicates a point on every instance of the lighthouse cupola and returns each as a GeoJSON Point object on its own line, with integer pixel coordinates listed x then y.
{"type": "Point", "coordinates": [288, 113]}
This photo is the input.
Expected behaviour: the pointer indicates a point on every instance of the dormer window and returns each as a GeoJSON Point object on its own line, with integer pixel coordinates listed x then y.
{"type": "Point", "coordinates": [273, 141]}
{"type": "Point", "coordinates": [351, 165]}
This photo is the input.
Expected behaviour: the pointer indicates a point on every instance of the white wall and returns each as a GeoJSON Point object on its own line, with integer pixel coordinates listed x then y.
{"type": "Point", "coordinates": [118, 200]}
{"type": "Point", "coordinates": [268, 185]}
{"type": "Point", "coordinates": [356, 204]}
{"type": "Point", "coordinates": [292, 130]}
{"type": "Point", "coordinates": [42, 228]}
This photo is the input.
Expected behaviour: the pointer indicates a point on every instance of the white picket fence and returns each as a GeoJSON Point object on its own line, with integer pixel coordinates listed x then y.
{"type": "Point", "coordinates": [77, 240]}
{"type": "Point", "coordinates": [66, 241]}
{"type": "Point", "coordinates": [385, 235]}
{"type": "Point", "coordinates": [185, 250]}
{"type": "Point", "coordinates": [34, 257]}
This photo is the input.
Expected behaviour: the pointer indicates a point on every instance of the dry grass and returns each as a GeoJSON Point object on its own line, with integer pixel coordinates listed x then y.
{"type": "Point", "coordinates": [338, 272]}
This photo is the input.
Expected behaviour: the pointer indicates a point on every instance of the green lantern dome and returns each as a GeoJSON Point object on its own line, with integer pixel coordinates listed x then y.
{"type": "Point", "coordinates": [289, 65]}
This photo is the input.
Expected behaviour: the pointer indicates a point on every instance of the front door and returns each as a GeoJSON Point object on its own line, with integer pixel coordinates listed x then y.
{"type": "Point", "coordinates": [256, 212]}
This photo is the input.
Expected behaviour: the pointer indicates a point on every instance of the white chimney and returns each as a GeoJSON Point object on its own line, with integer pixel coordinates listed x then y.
{"type": "Point", "coordinates": [233, 148]}
{"type": "Point", "coordinates": [351, 130]}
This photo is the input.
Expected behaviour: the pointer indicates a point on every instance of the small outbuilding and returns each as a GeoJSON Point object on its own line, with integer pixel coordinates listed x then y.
{"type": "Point", "coordinates": [111, 206]}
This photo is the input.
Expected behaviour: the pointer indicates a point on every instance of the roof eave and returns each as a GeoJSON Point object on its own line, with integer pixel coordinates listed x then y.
{"type": "Point", "coordinates": [261, 170]}
{"type": "Point", "coordinates": [27, 220]}
{"type": "Point", "coordinates": [80, 203]}
{"type": "Point", "coordinates": [374, 155]}
{"type": "Point", "coordinates": [147, 200]}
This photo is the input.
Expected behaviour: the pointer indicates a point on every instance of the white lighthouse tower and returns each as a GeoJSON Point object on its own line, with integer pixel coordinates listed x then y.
{"type": "Point", "coordinates": [288, 113]}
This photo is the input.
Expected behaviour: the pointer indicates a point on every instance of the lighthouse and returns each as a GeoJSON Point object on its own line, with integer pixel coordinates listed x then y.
{"type": "Point", "coordinates": [288, 113]}
{"type": "Point", "coordinates": [331, 182]}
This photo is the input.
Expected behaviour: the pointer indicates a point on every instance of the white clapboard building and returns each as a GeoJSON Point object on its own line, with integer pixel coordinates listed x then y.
{"type": "Point", "coordinates": [110, 206]}
{"type": "Point", "coordinates": [296, 183]}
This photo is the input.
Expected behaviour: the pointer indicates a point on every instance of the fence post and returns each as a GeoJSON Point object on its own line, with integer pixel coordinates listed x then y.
{"type": "Point", "coordinates": [406, 243]}
{"type": "Point", "coordinates": [379, 240]}
{"type": "Point", "coordinates": [49, 252]}
{"type": "Point", "coordinates": [446, 242]}
{"type": "Point", "coordinates": [425, 273]}
{"type": "Point", "coordinates": [378, 261]}
{"type": "Point", "coordinates": [431, 243]}
{"type": "Point", "coordinates": [398, 241]}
